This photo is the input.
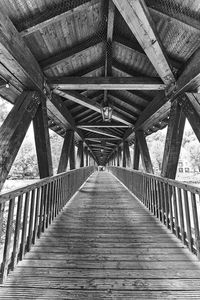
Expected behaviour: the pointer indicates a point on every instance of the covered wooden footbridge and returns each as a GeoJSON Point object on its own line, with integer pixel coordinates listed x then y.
{"type": "Point", "coordinates": [103, 74]}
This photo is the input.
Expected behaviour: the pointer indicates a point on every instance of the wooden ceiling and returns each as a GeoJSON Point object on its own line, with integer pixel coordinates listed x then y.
{"type": "Point", "coordinates": [140, 55]}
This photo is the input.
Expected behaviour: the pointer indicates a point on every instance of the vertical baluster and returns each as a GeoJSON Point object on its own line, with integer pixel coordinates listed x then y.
{"type": "Point", "coordinates": [150, 194]}
{"type": "Point", "coordinates": [187, 217]}
{"type": "Point", "coordinates": [65, 188]}
{"type": "Point", "coordinates": [47, 203]}
{"type": "Point", "coordinates": [54, 199]}
{"type": "Point", "coordinates": [175, 211]}
{"type": "Point", "coordinates": [182, 227]}
{"type": "Point", "coordinates": [63, 198]}
{"type": "Point", "coordinates": [37, 210]}
{"type": "Point", "coordinates": [148, 198]}
{"type": "Point", "coordinates": [196, 224]}
{"type": "Point", "coordinates": [154, 197]}
{"type": "Point", "coordinates": [52, 202]}
{"type": "Point", "coordinates": [31, 221]}
{"type": "Point", "coordinates": [169, 188]}
{"type": "Point", "coordinates": [25, 225]}
{"type": "Point", "coordinates": [17, 231]}
{"type": "Point", "coordinates": [7, 247]}
{"type": "Point", "coordinates": [60, 195]}
{"type": "Point", "coordinates": [46, 192]}
{"type": "Point", "coordinates": [68, 187]}
{"type": "Point", "coordinates": [157, 199]}
{"type": "Point", "coordinates": [162, 201]}
{"type": "Point", "coordinates": [146, 204]}
{"type": "Point", "coordinates": [57, 198]}
{"type": "Point", "coordinates": [42, 199]}
{"type": "Point", "coordinates": [166, 205]}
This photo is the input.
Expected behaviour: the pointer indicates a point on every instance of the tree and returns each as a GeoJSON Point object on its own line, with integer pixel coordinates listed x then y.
{"type": "Point", "coordinates": [25, 164]}
{"type": "Point", "coordinates": [194, 152]}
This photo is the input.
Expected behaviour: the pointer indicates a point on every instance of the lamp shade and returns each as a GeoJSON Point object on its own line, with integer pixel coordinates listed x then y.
{"type": "Point", "coordinates": [106, 111]}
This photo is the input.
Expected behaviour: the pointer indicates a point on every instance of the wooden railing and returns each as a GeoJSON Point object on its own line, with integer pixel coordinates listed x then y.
{"type": "Point", "coordinates": [175, 204]}
{"type": "Point", "coordinates": [30, 210]}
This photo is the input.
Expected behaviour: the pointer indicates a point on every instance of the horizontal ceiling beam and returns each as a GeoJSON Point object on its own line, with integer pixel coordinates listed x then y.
{"type": "Point", "coordinates": [99, 131]}
{"type": "Point", "coordinates": [108, 83]}
{"type": "Point", "coordinates": [101, 125]}
{"type": "Point", "coordinates": [95, 138]}
{"type": "Point", "coordinates": [139, 20]}
{"type": "Point", "coordinates": [84, 101]}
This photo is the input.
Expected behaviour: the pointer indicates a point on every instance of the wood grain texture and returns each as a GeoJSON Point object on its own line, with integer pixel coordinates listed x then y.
{"type": "Point", "coordinates": [173, 141]}
{"type": "Point", "coordinates": [42, 141]}
{"type": "Point", "coordinates": [65, 151]}
{"type": "Point", "coordinates": [108, 83]}
{"type": "Point", "coordinates": [144, 151]}
{"type": "Point", "coordinates": [139, 20]}
{"type": "Point", "coordinates": [105, 245]}
{"type": "Point", "coordinates": [14, 128]}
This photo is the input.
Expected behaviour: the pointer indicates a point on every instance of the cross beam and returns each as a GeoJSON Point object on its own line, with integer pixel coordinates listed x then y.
{"type": "Point", "coordinates": [108, 83]}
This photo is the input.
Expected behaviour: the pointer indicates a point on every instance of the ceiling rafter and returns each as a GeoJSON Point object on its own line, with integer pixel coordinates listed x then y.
{"type": "Point", "coordinates": [186, 21]}
{"type": "Point", "coordinates": [133, 45]}
{"type": "Point", "coordinates": [126, 108]}
{"type": "Point", "coordinates": [127, 70]}
{"type": "Point", "coordinates": [57, 18]}
{"type": "Point", "coordinates": [71, 52]}
{"type": "Point", "coordinates": [139, 20]}
{"type": "Point", "coordinates": [135, 107]}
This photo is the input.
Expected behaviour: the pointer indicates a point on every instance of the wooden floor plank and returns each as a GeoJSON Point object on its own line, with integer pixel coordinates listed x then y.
{"type": "Point", "coordinates": [105, 245]}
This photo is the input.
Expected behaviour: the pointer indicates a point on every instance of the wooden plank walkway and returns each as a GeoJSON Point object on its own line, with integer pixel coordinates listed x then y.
{"type": "Point", "coordinates": [105, 245]}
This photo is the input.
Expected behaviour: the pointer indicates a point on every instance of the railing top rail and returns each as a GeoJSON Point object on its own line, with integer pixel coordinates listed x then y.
{"type": "Point", "coordinates": [172, 182]}
{"type": "Point", "coordinates": [4, 197]}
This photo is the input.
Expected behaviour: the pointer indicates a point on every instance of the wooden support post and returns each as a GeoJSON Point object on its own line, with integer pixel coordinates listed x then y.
{"type": "Point", "coordinates": [191, 107]}
{"type": "Point", "coordinates": [42, 142]}
{"type": "Point", "coordinates": [136, 157]}
{"type": "Point", "coordinates": [86, 157]}
{"type": "Point", "coordinates": [65, 151]}
{"type": "Point", "coordinates": [14, 129]}
{"type": "Point", "coordinates": [72, 154]}
{"type": "Point", "coordinates": [80, 154]}
{"type": "Point", "coordinates": [146, 160]}
{"type": "Point", "coordinates": [124, 155]}
{"type": "Point", "coordinates": [118, 156]}
{"type": "Point", "coordinates": [173, 141]}
{"type": "Point", "coordinates": [128, 157]}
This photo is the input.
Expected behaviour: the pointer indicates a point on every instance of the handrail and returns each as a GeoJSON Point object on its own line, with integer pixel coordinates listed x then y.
{"type": "Point", "coordinates": [175, 204]}
{"type": "Point", "coordinates": [29, 210]}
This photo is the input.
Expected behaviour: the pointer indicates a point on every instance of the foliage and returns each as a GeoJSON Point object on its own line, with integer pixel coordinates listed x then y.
{"type": "Point", "coordinates": [25, 164]}
{"type": "Point", "coordinates": [190, 149]}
